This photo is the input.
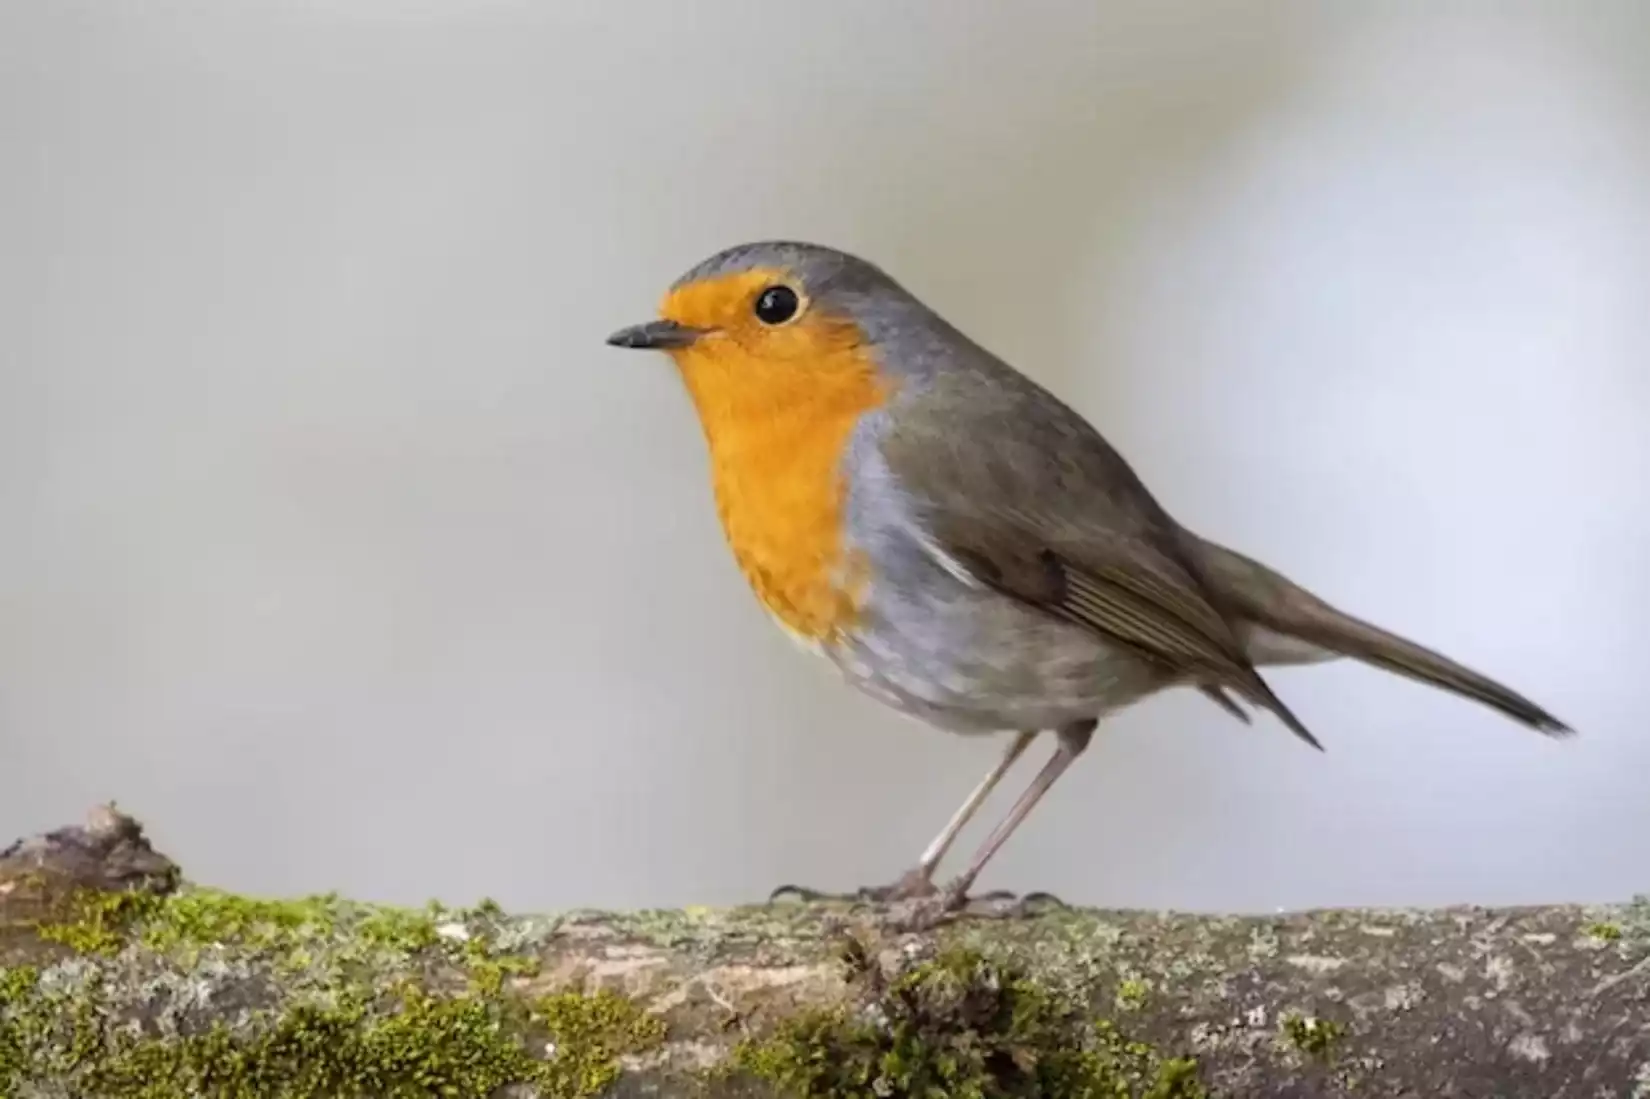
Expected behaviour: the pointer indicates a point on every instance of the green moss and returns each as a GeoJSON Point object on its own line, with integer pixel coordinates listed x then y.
{"type": "Point", "coordinates": [489, 971]}
{"type": "Point", "coordinates": [17, 988]}
{"type": "Point", "coordinates": [16, 983]}
{"type": "Point", "coordinates": [327, 1027]}
{"type": "Point", "coordinates": [418, 1045]}
{"type": "Point", "coordinates": [1131, 994]}
{"type": "Point", "coordinates": [462, 1046]}
{"type": "Point", "coordinates": [93, 922]}
{"type": "Point", "coordinates": [42, 1033]}
{"type": "Point", "coordinates": [587, 1036]}
{"type": "Point", "coordinates": [207, 916]}
{"type": "Point", "coordinates": [316, 932]}
{"type": "Point", "coordinates": [90, 921]}
{"type": "Point", "coordinates": [1314, 1037]}
{"type": "Point", "coordinates": [965, 1027]}
{"type": "Point", "coordinates": [1604, 932]}
{"type": "Point", "coordinates": [428, 1046]}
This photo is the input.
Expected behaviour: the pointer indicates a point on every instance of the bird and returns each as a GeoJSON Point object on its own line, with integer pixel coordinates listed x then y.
{"type": "Point", "coordinates": [962, 545]}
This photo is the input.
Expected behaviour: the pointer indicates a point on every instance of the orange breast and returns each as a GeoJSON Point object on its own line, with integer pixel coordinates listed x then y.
{"type": "Point", "coordinates": [777, 430]}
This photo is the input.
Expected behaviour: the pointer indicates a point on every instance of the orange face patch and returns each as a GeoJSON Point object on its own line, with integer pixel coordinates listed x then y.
{"type": "Point", "coordinates": [777, 404]}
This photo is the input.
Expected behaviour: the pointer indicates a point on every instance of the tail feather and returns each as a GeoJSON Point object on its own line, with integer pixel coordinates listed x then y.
{"type": "Point", "coordinates": [1220, 698]}
{"type": "Point", "coordinates": [1257, 692]}
{"type": "Point", "coordinates": [1277, 604]}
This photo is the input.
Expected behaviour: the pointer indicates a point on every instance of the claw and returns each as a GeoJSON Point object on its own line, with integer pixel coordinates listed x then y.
{"type": "Point", "coordinates": [807, 895]}
{"type": "Point", "coordinates": [1005, 902]}
{"type": "Point", "coordinates": [995, 896]}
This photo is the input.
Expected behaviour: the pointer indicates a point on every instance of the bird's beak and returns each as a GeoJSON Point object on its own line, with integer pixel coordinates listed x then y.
{"type": "Point", "coordinates": [655, 336]}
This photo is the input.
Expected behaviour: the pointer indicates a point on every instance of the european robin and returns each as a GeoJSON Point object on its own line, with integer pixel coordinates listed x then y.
{"type": "Point", "coordinates": [961, 544]}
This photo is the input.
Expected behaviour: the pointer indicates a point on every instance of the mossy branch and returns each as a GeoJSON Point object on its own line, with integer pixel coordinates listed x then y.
{"type": "Point", "coordinates": [118, 980]}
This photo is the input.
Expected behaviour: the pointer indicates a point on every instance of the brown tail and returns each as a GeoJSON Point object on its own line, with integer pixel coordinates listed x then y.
{"type": "Point", "coordinates": [1277, 604]}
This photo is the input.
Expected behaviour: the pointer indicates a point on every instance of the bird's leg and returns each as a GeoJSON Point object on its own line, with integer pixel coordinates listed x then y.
{"type": "Point", "coordinates": [954, 898]}
{"type": "Point", "coordinates": [919, 880]}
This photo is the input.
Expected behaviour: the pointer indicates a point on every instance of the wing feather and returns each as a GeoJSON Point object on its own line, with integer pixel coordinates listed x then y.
{"type": "Point", "coordinates": [1067, 528]}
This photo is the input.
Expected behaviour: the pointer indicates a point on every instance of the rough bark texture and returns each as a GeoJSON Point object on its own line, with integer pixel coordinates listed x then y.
{"type": "Point", "coordinates": [119, 979]}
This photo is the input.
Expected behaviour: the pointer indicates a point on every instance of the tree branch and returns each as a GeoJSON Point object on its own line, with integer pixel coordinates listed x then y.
{"type": "Point", "coordinates": [120, 980]}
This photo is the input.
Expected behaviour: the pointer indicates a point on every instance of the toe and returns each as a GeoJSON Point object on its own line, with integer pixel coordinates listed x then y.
{"type": "Point", "coordinates": [1010, 907]}
{"type": "Point", "coordinates": [996, 896]}
{"type": "Point", "coordinates": [913, 885]}
{"type": "Point", "coordinates": [802, 893]}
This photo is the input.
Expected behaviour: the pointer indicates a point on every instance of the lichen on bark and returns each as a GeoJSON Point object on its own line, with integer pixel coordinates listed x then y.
{"type": "Point", "coordinates": [118, 980]}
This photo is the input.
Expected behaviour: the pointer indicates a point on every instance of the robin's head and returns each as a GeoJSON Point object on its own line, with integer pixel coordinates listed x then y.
{"type": "Point", "coordinates": [780, 301]}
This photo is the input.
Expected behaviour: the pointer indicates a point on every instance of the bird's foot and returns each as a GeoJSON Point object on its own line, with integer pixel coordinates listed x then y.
{"type": "Point", "coordinates": [954, 902]}
{"type": "Point", "coordinates": [912, 885]}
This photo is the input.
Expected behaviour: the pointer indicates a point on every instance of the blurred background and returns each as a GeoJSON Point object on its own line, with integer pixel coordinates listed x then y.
{"type": "Point", "coordinates": [339, 549]}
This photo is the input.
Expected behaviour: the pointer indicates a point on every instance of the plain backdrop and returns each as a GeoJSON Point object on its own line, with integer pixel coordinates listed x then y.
{"type": "Point", "coordinates": [339, 549]}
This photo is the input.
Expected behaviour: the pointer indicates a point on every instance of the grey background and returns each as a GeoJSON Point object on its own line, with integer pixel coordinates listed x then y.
{"type": "Point", "coordinates": [339, 548]}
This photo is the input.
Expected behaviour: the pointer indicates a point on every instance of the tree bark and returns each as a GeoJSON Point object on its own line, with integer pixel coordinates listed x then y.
{"type": "Point", "coordinates": [119, 979]}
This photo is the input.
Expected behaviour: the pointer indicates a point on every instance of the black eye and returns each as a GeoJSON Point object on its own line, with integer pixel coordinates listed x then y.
{"type": "Point", "coordinates": [776, 305]}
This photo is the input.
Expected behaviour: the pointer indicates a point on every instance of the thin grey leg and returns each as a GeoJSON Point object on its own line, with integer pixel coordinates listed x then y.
{"type": "Point", "coordinates": [931, 857]}
{"type": "Point", "coordinates": [1073, 740]}
{"type": "Point", "coordinates": [919, 880]}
